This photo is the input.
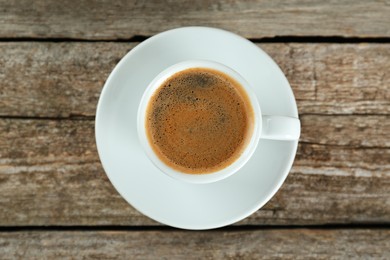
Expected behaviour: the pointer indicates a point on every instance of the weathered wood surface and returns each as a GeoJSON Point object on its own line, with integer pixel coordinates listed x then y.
{"type": "Point", "coordinates": [50, 174]}
{"type": "Point", "coordinates": [252, 19]}
{"type": "Point", "coordinates": [44, 79]}
{"type": "Point", "coordinates": [255, 244]}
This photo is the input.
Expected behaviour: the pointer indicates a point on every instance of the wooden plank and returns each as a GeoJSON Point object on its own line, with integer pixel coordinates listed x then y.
{"type": "Point", "coordinates": [336, 78]}
{"type": "Point", "coordinates": [55, 79]}
{"type": "Point", "coordinates": [50, 174]}
{"type": "Point", "coordinates": [256, 244]}
{"type": "Point", "coordinates": [46, 79]}
{"type": "Point", "coordinates": [253, 19]}
{"type": "Point", "coordinates": [356, 131]}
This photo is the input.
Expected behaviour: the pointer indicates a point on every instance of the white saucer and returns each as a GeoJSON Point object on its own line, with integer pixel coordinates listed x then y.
{"type": "Point", "coordinates": [166, 200]}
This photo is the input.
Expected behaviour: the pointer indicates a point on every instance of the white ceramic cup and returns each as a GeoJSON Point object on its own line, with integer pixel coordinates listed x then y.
{"type": "Point", "coordinates": [265, 126]}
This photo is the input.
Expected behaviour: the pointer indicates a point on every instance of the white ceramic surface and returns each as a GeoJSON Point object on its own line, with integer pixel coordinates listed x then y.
{"type": "Point", "coordinates": [140, 182]}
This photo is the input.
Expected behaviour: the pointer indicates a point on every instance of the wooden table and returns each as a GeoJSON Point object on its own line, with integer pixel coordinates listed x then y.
{"type": "Point", "coordinates": [56, 200]}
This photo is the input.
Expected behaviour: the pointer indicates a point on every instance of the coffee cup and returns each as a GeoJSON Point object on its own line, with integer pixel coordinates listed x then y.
{"type": "Point", "coordinates": [274, 127]}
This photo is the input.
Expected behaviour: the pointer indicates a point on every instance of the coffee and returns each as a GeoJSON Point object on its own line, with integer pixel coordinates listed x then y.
{"type": "Point", "coordinates": [199, 121]}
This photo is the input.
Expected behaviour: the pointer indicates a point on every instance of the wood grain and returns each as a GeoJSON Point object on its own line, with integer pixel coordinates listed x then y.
{"type": "Point", "coordinates": [43, 79]}
{"type": "Point", "coordinates": [256, 244]}
{"type": "Point", "coordinates": [55, 79]}
{"type": "Point", "coordinates": [50, 174]}
{"type": "Point", "coordinates": [253, 19]}
{"type": "Point", "coordinates": [336, 78]}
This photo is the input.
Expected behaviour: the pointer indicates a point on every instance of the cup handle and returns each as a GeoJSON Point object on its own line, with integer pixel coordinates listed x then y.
{"type": "Point", "coordinates": [280, 128]}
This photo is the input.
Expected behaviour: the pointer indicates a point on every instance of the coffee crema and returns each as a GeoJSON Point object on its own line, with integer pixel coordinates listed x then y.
{"type": "Point", "coordinates": [199, 121]}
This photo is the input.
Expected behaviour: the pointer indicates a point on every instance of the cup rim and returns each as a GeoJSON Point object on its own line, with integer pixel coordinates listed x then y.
{"type": "Point", "coordinates": [213, 176]}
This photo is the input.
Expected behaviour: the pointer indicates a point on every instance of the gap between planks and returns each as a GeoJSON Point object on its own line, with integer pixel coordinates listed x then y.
{"type": "Point", "coordinates": [352, 226]}
{"type": "Point", "coordinates": [276, 39]}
